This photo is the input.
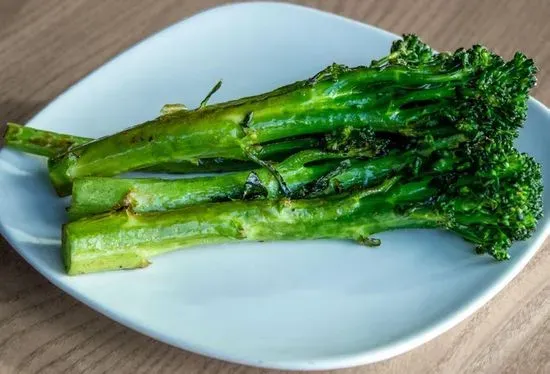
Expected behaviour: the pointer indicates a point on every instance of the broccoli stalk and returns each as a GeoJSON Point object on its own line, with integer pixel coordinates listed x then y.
{"type": "Point", "coordinates": [38, 142]}
{"type": "Point", "coordinates": [125, 240]}
{"type": "Point", "coordinates": [487, 209]}
{"type": "Point", "coordinates": [409, 92]}
{"type": "Point", "coordinates": [49, 144]}
{"type": "Point", "coordinates": [305, 174]}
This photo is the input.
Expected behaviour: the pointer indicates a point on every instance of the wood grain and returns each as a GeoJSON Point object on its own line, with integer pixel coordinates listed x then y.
{"type": "Point", "coordinates": [45, 46]}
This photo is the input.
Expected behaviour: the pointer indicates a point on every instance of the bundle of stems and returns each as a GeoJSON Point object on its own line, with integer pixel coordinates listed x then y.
{"type": "Point", "coordinates": [417, 139]}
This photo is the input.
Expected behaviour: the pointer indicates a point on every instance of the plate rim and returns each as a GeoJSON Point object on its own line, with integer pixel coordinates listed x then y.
{"type": "Point", "coordinates": [340, 361]}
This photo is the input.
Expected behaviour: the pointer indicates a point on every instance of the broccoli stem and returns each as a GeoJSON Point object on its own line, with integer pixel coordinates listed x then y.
{"type": "Point", "coordinates": [126, 240]}
{"type": "Point", "coordinates": [236, 129]}
{"type": "Point", "coordinates": [49, 144]}
{"type": "Point", "coordinates": [39, 142]}
{"type": "Point", "coordinates": [306, 174]}
{"type": "Point", "coordinates": [271, 152]}
{"type": "Point", "coordinates": [93, 195]}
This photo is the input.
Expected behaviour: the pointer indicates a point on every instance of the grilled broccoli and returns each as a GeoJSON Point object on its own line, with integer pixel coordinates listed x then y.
{"type": "Point", "coordinates": [412, 91]}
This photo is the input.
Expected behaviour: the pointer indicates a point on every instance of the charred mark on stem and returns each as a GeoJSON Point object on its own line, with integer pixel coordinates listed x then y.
{"type": "Point", "coordinates": [247, 120]}
{"type": "Point", "coordinates": [254, 188]}
{"type": "Point", "coordinates": [267, 165]}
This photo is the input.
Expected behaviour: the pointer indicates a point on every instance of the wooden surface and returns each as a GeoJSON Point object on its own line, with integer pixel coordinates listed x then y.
{"type": "Point", "coordinates": [45, 46]}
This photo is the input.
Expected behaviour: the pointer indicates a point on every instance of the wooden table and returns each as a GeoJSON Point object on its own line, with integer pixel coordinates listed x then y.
{"type": "Point", "coordinates": [45, 46]}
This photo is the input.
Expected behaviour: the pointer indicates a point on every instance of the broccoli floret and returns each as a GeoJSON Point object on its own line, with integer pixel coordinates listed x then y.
{"type": "Point", "coordinates": [493, 207]}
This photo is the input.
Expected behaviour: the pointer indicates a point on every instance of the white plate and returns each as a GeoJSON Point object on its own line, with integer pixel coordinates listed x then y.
{"type": "Point", "coordinates": [293, 305]}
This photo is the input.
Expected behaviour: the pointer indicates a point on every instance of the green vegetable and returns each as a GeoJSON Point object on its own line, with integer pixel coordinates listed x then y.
{"type": "Point", "coordinates": [50, 144]}
{"type": "Point", "coordinates": [416, 139]}
{"type": "Point", "coordinates": [490, 208]}
{"type": "Point", "coordinates": [305, 174]}
{"type": "Point", "coordinates": [409, 91]}
{"type": "Point", "coordinates": [39, 142]}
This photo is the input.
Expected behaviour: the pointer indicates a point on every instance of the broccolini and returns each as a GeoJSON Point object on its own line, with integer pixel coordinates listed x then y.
{"type": "Point", "coordinates": [411, 90]}
{"type": "Point", "coordinates": [489, 208]}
